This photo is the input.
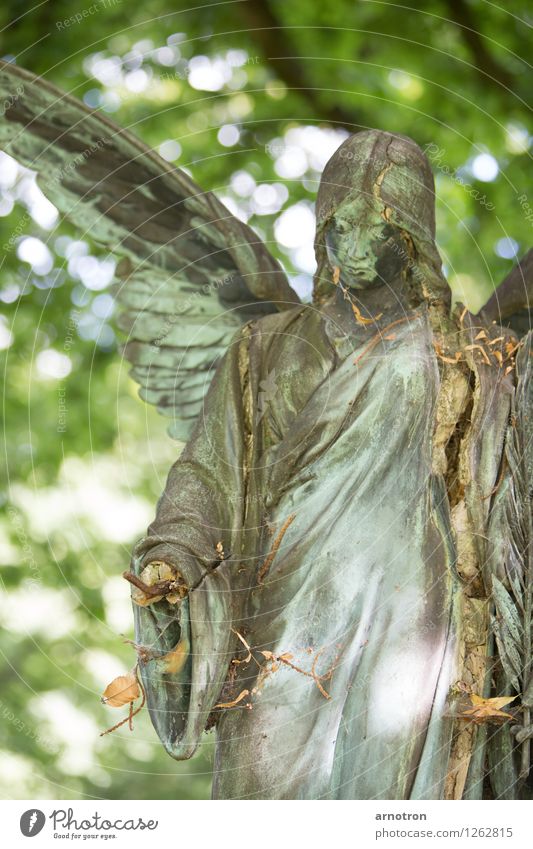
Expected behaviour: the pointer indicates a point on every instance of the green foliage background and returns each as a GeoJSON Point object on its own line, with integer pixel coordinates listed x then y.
{"type": "Point", "coordinates": [450, 74]}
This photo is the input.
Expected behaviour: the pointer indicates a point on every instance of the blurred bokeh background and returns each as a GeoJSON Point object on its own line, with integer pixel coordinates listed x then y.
{"type": "Point", "coordinates": [251, 98]}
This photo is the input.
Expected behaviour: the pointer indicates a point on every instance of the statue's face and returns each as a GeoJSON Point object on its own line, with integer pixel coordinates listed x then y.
{"type": "Point", "coordinates": [369, 255]}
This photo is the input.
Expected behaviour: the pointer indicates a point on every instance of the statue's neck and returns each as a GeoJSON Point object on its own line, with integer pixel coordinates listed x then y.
{"type": "Point", "coordinates": [350, 310]}
{"type": "Point", "coordinates": [389, 298]}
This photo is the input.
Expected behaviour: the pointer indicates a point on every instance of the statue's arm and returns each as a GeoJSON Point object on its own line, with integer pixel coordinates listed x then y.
{"type": "Point", "coordinates": [184, 638]}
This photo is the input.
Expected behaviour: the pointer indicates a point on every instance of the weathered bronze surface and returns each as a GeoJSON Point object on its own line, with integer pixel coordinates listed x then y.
{"type": "Point", "coordinates": [342, 551]}
{"type": "Point", "coordinates": [382, 437]}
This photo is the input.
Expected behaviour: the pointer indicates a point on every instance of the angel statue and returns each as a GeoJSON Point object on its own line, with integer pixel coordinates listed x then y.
{"type": "Point", "coordinates": [339, 576]}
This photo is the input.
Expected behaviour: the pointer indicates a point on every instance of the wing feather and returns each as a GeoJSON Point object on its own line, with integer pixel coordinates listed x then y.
{"type": "Point", "coordinates": [190, 272]}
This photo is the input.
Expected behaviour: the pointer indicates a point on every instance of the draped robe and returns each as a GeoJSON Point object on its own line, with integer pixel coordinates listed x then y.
{"type": "Point", "coordinates": [308, 418]}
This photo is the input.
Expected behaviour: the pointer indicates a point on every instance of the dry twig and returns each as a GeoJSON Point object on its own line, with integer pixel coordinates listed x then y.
{"type": "Point", "coordinates": [273, 551]}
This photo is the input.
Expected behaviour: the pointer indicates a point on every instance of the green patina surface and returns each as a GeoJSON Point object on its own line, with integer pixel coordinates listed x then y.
{"type": "Point", "coordinates": [343, 504]}
{"type": "Point", "coordinates": [376, 585]}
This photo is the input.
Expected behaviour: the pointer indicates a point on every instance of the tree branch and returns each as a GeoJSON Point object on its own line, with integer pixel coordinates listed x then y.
{"type": "Point", "coordinates": [281, 55]}
{"type": "Point", "coordinates": [488, 67]}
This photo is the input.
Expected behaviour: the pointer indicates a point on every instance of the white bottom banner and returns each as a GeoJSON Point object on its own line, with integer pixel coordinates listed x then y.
{"type": "Point", "coordinates": [264, 825]}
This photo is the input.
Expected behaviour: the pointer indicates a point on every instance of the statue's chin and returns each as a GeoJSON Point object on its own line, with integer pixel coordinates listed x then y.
{"type": "Point", "coordinates": [352, 281]}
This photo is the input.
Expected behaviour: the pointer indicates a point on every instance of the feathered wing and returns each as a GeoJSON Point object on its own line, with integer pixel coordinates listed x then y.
{"type": "Point", "coordinates": [512, 586]}
{"type": "Point", "coordinates": [511, 303]}
{"type": "Point", "coordinates": [190, 272]}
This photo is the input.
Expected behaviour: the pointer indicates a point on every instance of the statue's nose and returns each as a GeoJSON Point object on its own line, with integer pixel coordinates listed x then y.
{"type": "Point", "coordinates": [358, 252]}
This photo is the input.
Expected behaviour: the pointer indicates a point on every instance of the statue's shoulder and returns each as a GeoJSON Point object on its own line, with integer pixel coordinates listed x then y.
{"type": "Point", "coordinates": [289, 341]}
{"type": "Point", "coordinates": [304, 321]}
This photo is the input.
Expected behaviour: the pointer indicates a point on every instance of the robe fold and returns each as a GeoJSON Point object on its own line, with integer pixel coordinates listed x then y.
{"type": "Point", "coordinates": [321, 432]}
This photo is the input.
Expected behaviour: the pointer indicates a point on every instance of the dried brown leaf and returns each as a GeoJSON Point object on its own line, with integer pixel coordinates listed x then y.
{"type": "Point", "coordinates": [481, 349]}
{"type": "Point", "coordinates": [268, 655]}
{"type": "Point", "coordinates": [246, 646]}
{"type": "Point", "coordinates": [121, 691]}
{"type": "Point", "coordinates": [361, 319]}
{"type": "Point", "coordinates": [440, 354]}
{"type": "Point", "coordinates": [485, 710]}
{"type": "Point", "coordinates": [236, 701]}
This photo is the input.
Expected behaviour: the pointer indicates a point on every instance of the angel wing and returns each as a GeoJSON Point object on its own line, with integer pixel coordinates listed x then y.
{"type": "Point", "coordinates": [518, 563]}
{"type": "Point", "coordinates": [190, 273]}
{"type": "Point", "coordinates": [511, 578]}
{"type": "Point", "coordinates": [511, 304]}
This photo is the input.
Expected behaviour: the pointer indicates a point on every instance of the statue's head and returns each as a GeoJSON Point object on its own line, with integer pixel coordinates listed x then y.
{"type": "Point", "coordinates": [376, 216]}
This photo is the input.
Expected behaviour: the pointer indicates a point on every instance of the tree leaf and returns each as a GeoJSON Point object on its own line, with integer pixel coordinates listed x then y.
{"type": "Point", "coordinates": [121, 691]}
{"type": "Point", "coordinates": [483, 710]}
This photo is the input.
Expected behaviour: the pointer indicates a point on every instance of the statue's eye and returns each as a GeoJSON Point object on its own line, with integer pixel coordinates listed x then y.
{"type": "Point", "coordinates": [342, 228]}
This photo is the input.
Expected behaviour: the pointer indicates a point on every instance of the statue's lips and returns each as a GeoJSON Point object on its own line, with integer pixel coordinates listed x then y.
{"type": "Point", "coordinates": [358, 275]}
{"type": "Point", "coordinates": [359, 269]}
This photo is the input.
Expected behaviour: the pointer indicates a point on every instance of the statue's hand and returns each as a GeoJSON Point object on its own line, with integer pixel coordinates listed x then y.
{"type": "Point", "coordinates": [183, 614]}
{"type": "Point", "coordinates": [157, 580]}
